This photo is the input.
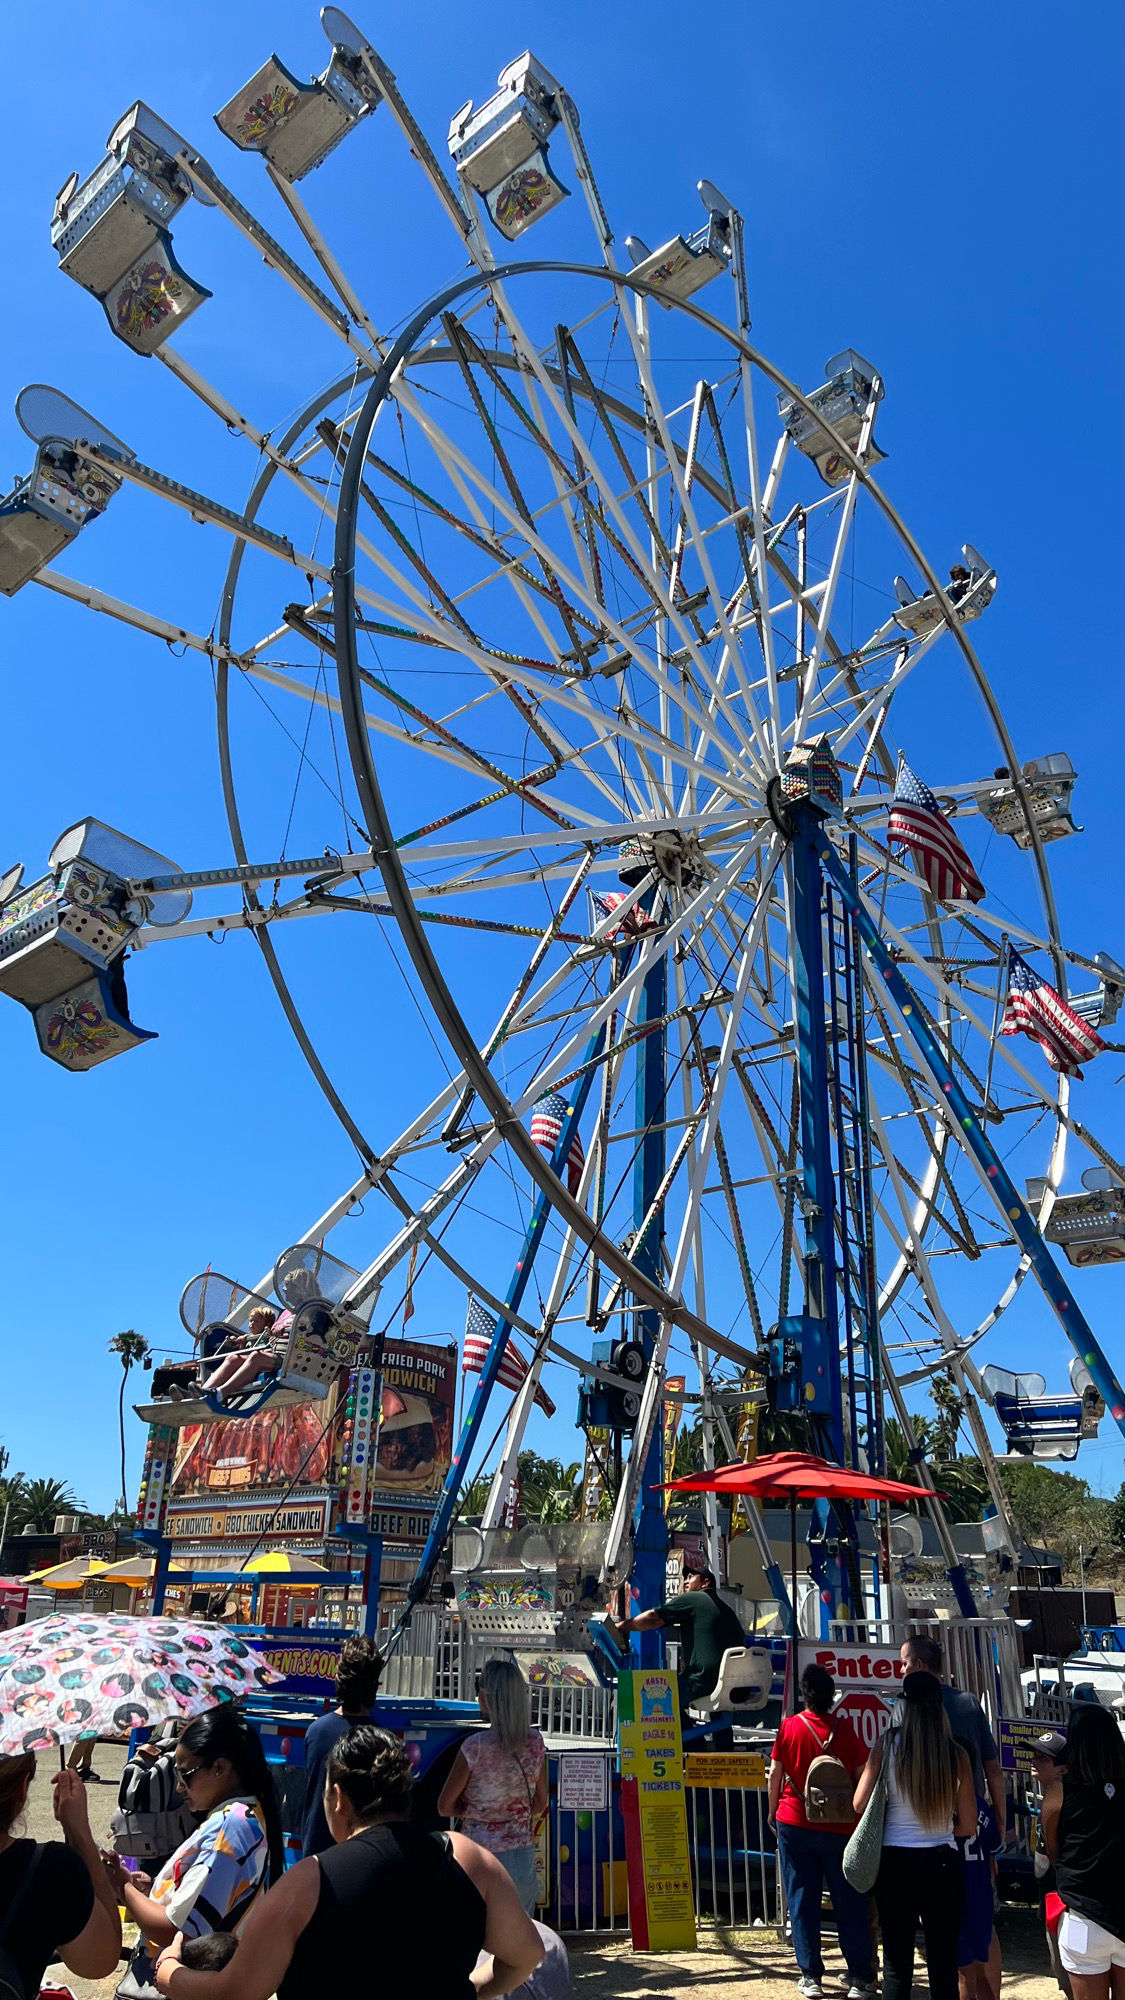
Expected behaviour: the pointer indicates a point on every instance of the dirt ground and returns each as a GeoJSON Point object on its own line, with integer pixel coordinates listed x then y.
{"type": "Point", "coordinates": [729, 1965]}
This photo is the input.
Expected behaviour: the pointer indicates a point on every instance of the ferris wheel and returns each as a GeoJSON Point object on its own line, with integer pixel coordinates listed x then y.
{"type": "Point", "coordinates": [570, 646]}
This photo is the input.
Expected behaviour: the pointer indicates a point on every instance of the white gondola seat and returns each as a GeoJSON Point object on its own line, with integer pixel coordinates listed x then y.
{"type": "Point", "coordinates": [1101, 1007]}
{"type": "Point", "coordinates": [1040, 1426]}
{"type": "Point", "coordinates": [971, 589]}
{"type": "Point", "coordinates": [65, 489]}
{"type": "Point", "coordinates": [111, 231]}
{"type": "Point", "coordinates": [843, 401]}
{"type": "Point", "coordinates": [301, 1370]}
{"type": "Point", "coordinates": [44, 512]}
{"type": "Point", "coordinates": [63, 942]}
{"type": "Point", "coordinates": [682, 266]}
{"type": "Point", "coordinates": [744, 1684]}
{"type": "Point", "coordinates": [1090, 1227]}
{"type": "Point", "coordinates": [1047, 784]}
{"type": "Point", "coordinates": [501, 150]}
{"type": "Point", "coordinates": [296, 125]}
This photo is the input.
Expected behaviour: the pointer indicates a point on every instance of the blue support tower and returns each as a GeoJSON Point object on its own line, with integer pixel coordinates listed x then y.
{"type": "Point", "coordinates": [833, 1548]}
{"type": "Point", "coordinates": [651, 1532]}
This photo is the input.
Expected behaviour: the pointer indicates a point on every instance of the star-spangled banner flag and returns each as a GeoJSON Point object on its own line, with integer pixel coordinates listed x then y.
{"type": "Point", "coordinates": [1034, 1008]}
{"type": "Point", "coordinates": [547, 1121]}
{"type": "Point", "coordinates": [479, 1326]}
{"type": "Point", "coordinates": [917, 822]}
{"type": "Point", "coordinates": [605, 901]}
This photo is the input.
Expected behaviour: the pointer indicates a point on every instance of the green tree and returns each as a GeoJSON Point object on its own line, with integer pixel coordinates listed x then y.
{"type": "Point", "coordinates": [1117, 1519]}
{"type": "Point", "coordinates": [11, 1493]}
{"type": "Point", "coordinates": [549, 1489]}
{"type": "Point", "coordinates": [473, 1500]}
{"type": "Point", "coordinates": [42, 1499]}
{"type": "Point", "coordinates": [129, 1348]}
{"type": "Point", "coordinates": [950, 1407]}
{"type": "Point", "coordinates": [1057, 1510]}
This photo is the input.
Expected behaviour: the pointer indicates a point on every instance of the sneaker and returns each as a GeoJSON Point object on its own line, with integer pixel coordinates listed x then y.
{"type": "Point", "coordinates": [809, 1988]}
{"type": "Point", "coordinates": [860, 1990]}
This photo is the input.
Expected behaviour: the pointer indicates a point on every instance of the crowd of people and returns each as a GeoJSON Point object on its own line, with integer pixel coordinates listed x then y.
{"type": "Point", "coordinates": [934, 1780]}
{"type": "Point", "coordinates": [220, 1917]}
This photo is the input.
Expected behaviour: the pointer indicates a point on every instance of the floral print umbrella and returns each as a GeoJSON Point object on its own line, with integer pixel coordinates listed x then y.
{"type": "Point", "coordinates": [69, 1676]}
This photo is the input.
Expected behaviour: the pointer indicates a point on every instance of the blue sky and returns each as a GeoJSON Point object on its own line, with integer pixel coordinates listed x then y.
{"type": "Point", "coordinates": [942, 191]}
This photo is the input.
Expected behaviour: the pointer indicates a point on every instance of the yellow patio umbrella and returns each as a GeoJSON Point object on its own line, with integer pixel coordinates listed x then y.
{"type": "Point", "coordinates": [135, 1570]}
{"type": "Point", "coordinates": [70, 1575]}
{"type": "Point", "coordinates": [291, 1563]}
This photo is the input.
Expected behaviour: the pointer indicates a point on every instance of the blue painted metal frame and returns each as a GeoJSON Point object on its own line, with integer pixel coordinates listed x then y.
{"type": "Point", "coordinates": [474, 1416]}
{"type": "Point", "coordinates": [976, 1143]}
{"type": "Point", "coordinates": [650, 1539]}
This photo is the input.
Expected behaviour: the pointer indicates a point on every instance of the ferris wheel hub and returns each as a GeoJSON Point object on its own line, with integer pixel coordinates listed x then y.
{"type": "Point", "coordinates": [674, 853]}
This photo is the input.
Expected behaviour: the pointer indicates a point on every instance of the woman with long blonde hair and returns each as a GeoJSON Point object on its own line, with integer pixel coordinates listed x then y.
{"type": "Point", "coordinates": [930, 1801]}
{"type": "Point", "coordinates": [498, 1785]}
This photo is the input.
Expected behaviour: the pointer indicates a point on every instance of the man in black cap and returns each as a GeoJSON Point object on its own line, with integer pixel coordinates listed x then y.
{"type": "Point", "coordinates": [706, 1629]}
{"type": "Point", "coordinates": [1048, 1762]}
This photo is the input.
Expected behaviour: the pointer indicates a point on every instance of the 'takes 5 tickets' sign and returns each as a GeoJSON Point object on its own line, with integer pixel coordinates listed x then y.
{"type": "Point", "coordinates": [661, 1910]}
{"type": "Point", "coordinates": [867, 1680]}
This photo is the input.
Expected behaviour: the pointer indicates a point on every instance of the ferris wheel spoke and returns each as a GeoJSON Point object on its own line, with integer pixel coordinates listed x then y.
{"type": "Point", "coordinates": [932, 1127]}
{"type": "Point", "coordinates": [651, 950]}
{"type": "Point", "coordinates": [466, 349]}
{"type": "Point", "coordinates": [958, 1005]}
{"type": "Point", "coordinates": [345, 291]}
{"type": "Point", "coordinates": [560, 691]}
{"type": "Point", "coordinates": [655, 587]}
{"type": "Point", "coordinates": [872, 708]}
{"type": "Point", "coordinates": [636, 331]}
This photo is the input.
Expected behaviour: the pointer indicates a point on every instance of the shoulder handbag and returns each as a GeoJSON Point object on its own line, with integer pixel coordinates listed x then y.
{"type": "Point", "coordinates": [865, 1846]}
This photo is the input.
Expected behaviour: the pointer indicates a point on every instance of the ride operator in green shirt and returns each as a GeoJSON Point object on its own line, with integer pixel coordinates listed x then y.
{"type": "Point", "coordinates": [706, 1629]}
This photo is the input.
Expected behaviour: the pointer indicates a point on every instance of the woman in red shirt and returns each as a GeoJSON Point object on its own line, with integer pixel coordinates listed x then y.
{"type": "Point", "coordinates": [812, 1856]}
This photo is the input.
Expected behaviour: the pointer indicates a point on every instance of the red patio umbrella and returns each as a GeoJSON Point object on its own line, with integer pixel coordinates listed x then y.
{"type": "Point", "coordinates": [793, 1476]}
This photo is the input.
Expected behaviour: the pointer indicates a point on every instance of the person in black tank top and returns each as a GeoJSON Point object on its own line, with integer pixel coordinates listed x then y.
{"type": "Point", "coordinates": [1084, 1833]}
{"type": "Point", "coordinates": [389, 1909]}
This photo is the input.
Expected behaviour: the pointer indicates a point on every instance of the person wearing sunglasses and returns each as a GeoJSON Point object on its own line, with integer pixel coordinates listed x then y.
{"type": "Point", "coordinates": [389, 1908]}
{"type": "Point", "coordinates": [215, 1876]}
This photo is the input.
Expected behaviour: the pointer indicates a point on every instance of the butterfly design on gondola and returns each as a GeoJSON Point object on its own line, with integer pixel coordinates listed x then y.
{"type": "Point", "coordinates": [79, 1028]}
{"type": "Point", "coordinates": [263, 114]}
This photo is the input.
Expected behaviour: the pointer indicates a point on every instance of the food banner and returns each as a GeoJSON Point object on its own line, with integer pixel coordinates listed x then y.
{"type": "Point", "coordinates": [661, 1910]}
{"type": "Point", "coordinates": [264, 1480]}
{"type": "Point", "coordinates": [415, 1442]}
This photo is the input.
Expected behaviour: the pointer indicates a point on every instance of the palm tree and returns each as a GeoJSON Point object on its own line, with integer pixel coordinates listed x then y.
{"type": "Point", "coordinates": [41, 1499]}
{"type": "Point", "coordinates": [11, 1491]}
{"type": "Point", "coordinates": [128, 1347]}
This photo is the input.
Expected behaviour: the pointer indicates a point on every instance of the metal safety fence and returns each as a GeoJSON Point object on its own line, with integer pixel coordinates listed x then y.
{"type": "Point", "coordinates": [735, 1877]}
{"type": "Point", "coordinates": [735, 1881]}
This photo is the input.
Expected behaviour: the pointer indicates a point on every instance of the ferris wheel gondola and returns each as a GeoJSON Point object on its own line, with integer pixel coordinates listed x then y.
{"type": "Point", "coordinates": [623, 757]}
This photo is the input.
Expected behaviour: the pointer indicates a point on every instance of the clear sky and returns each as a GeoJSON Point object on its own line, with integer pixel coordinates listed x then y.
{"type": "Point", "coordinates": [940, 188]}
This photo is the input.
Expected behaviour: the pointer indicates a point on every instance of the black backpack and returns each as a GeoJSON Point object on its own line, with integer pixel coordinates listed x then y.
{"type": "Point", "coordinates": [11, 1978]}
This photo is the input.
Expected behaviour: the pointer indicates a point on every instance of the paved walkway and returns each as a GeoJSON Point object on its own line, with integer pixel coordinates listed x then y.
{"type": "Point", "coordinates": [756, 1965]}
{"type": "Point", "coordinates": [730, 1965]}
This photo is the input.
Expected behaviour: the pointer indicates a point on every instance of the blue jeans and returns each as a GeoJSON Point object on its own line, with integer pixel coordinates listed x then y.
{"type": "Point", "coordinates": [811, 1858]}
{"type": "Point", "coordinates": [520, 1864]}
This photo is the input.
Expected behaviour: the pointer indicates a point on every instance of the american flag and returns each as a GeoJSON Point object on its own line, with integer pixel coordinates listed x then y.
{"type": "Point", "coordinates": [1035, 1009]}
{"type": "Point", "coordinates": [547, 1121]}
{"type": "Point", "coordinates": [608, 900]}
{"type": "Point", "coordinates": [917, 822]}
{"type": "Point", "coordinates": [479, 1327]}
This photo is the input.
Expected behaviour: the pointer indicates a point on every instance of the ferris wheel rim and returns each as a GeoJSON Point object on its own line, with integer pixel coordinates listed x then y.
{"type": "Point", "coordinates": [415, 355]}
{"type": "Point", "coordinates": [347, 664]}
